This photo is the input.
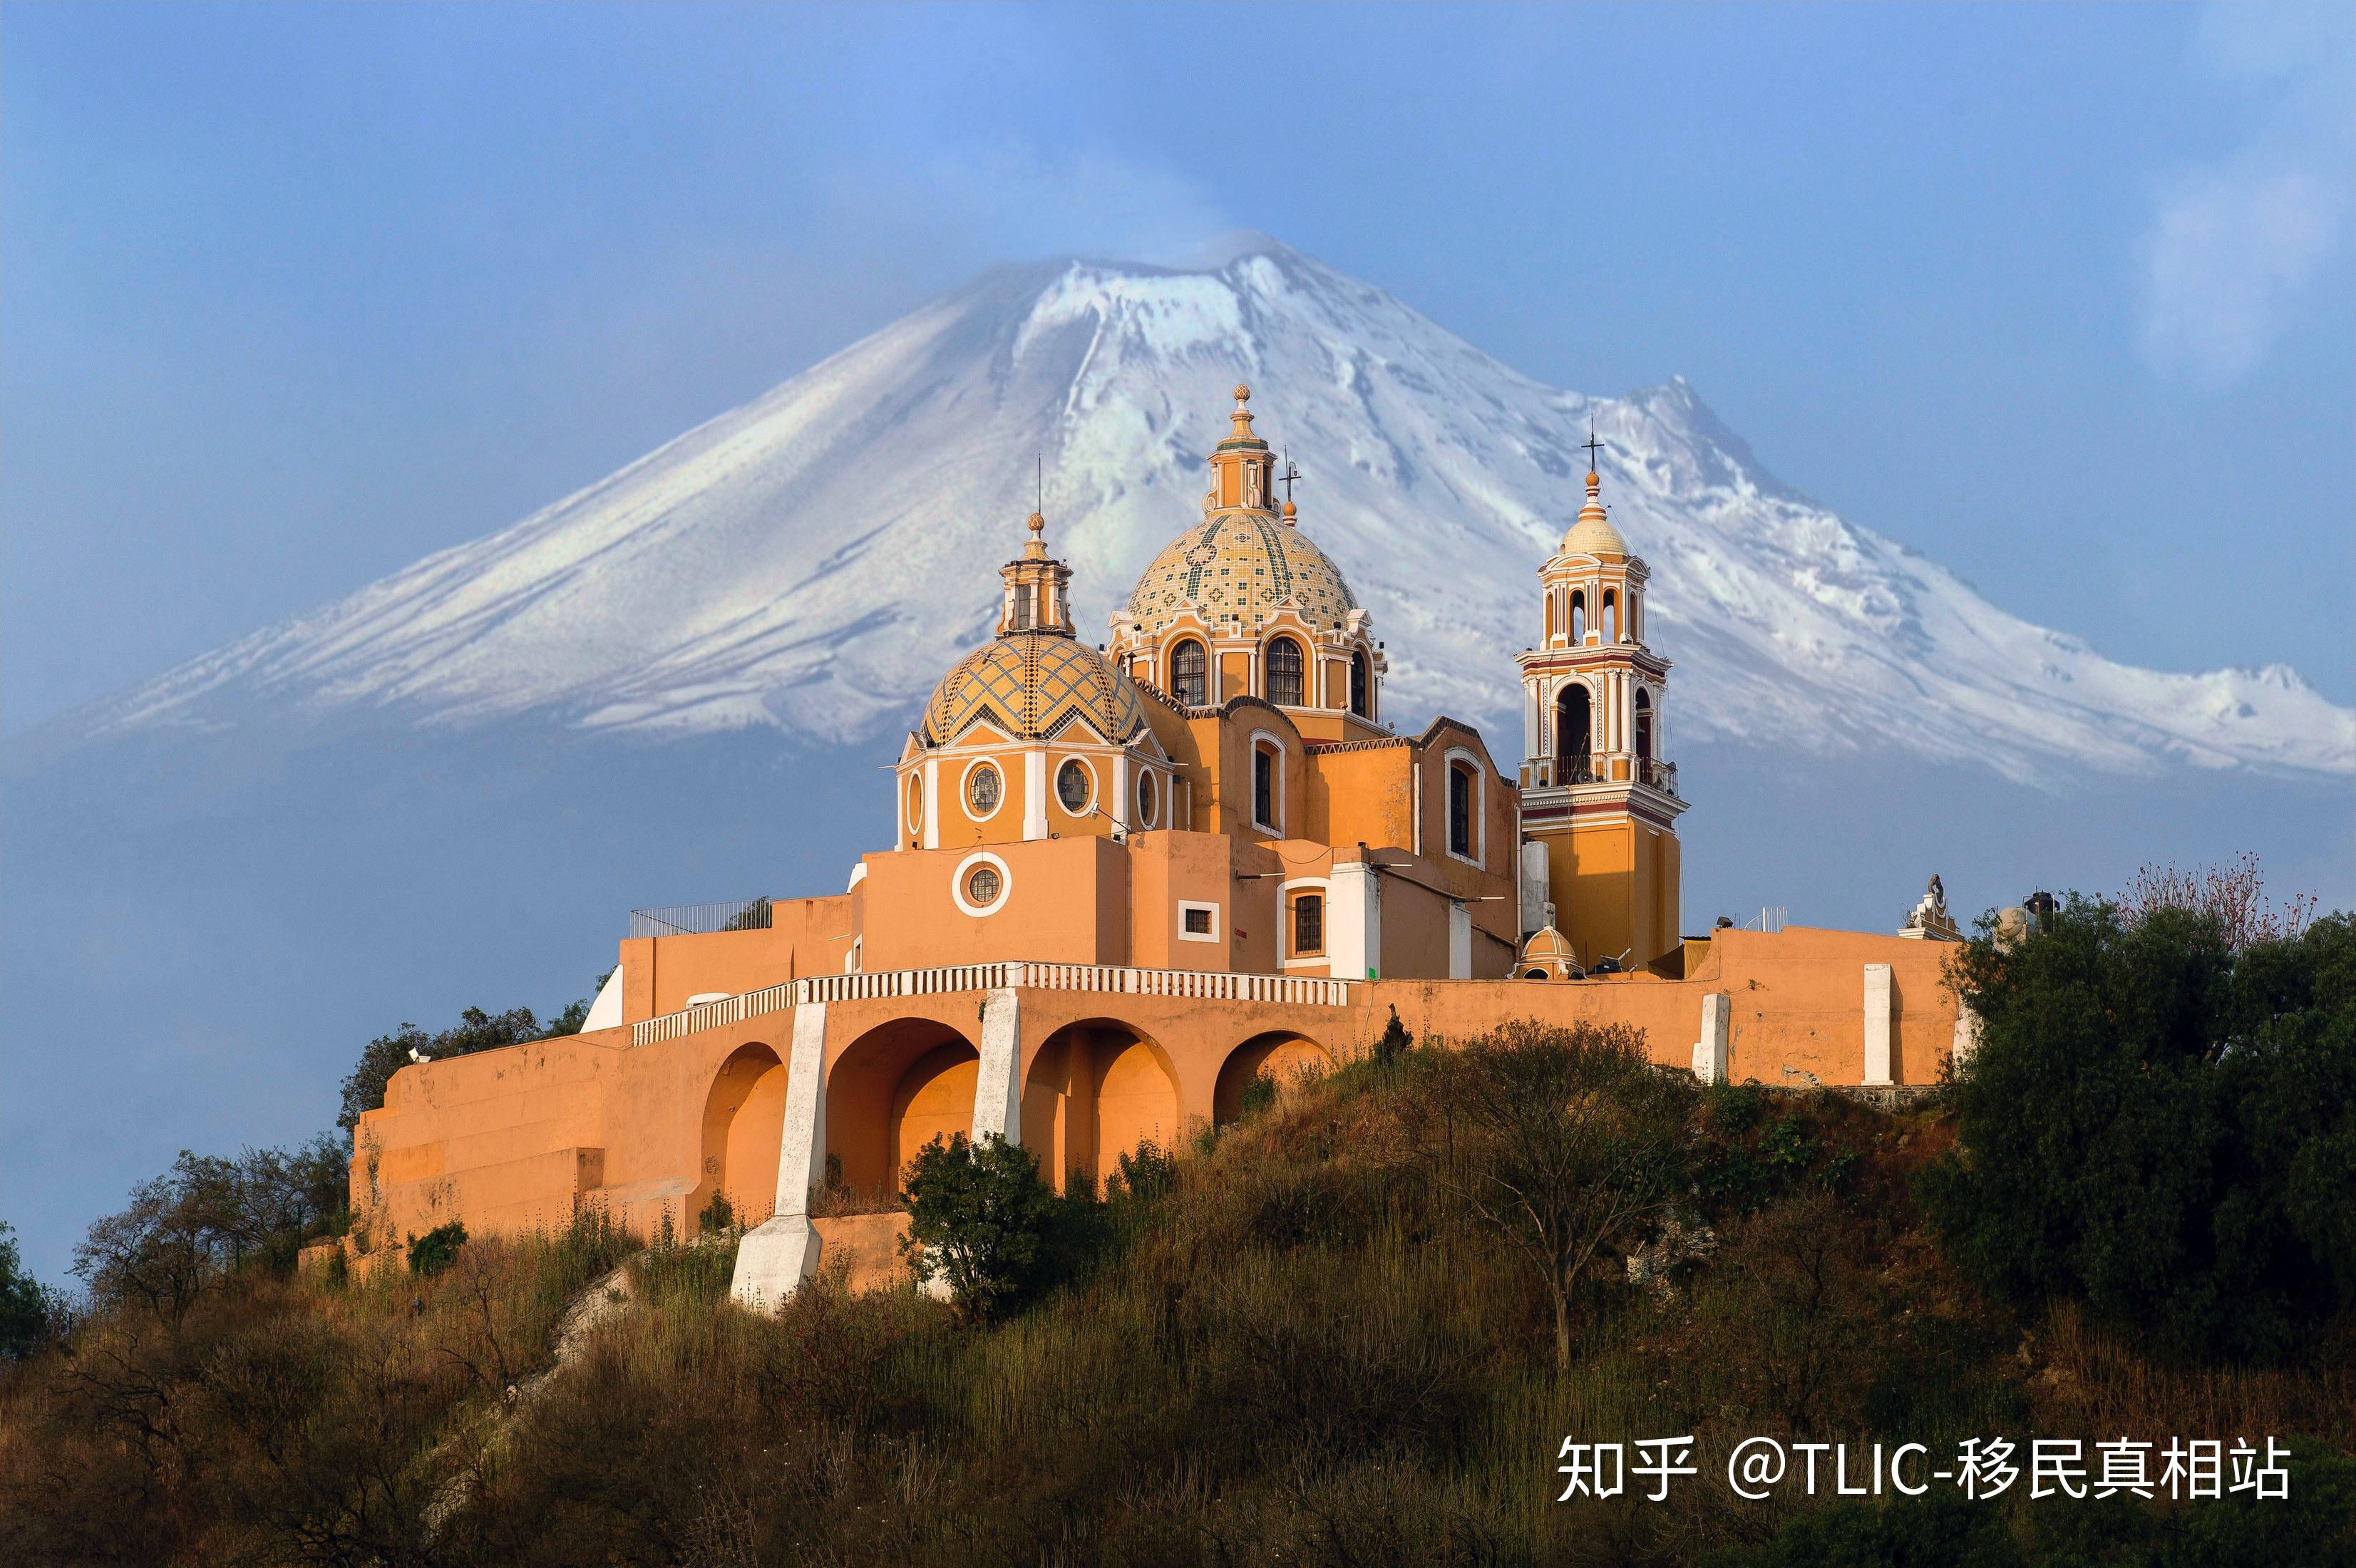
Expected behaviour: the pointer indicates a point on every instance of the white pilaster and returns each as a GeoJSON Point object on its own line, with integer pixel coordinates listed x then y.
{"type": "Point", "coordinates": [1713, 1054]}
{"type": "Point", "coordinates": [778, 1257]}
{"type": "Point", "coordinates": [1034, 793]}
{"type": "Point", "coordinates": [1534, 886]}
{"type": "Point", "coordinates": [1460, 941]}
{"type": "Point", "coordinates": [998, 1087]}
{"type": "Point", "coordinates": [1354, 921]}
{"type": "Point", "coordinates": [934, 804]}
{"type": "Point", "coordinates": [1877, 991]}
{"type": "Point", "coordinates": [1120, 794]}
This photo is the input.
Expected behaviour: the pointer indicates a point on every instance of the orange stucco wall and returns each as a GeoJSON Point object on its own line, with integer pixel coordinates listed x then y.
{"type": "Point", "coordinates": [518, 1137]}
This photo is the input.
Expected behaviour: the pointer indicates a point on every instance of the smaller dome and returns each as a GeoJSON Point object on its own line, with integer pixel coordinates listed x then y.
{"type": "Point", "coordinates": [1032, 684]}
{"type": "Point", "coordinates": [1546, 945]}
{"type": "Point", "coordinates": [1593, 533]}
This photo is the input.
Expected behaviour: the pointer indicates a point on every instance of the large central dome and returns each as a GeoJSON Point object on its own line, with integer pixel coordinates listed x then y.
{"type": "Point", "coordinates": [1240, 566]}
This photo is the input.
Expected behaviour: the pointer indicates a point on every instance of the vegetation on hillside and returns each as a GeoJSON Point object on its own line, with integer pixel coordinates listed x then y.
{"type": "Point", "coordinates": [1355, 1327]}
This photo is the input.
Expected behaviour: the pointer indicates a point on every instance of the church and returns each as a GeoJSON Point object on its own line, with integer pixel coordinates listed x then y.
{"type": "Point", "coordinates": [1127, 880]}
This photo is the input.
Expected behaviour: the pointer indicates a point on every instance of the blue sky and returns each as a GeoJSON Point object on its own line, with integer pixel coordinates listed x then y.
{"type": "Point", "coordinates": [2064, 296]}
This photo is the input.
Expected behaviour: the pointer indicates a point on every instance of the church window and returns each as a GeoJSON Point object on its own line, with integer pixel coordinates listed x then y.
{"type": "Point", "coordinates": [1199, 920]}
{"type": "Point", "coordinates": [915, 805]}
{"type": "Point", "coordinates": [1359, 683]}
{"type": "Point", "coordinates": [1264, 787]}
{"type": "Point", "coordinates": [1460, 810]}
{"type": "Point", "coordinates": [1578, 616]}
{"type": "Point", "coordinates": [1284, 673]}
{"type": "Point", "coordinates": [1610, 617]}
{"type": "Point", "coordinates": [1574, 743]}
{"type": "Point", "coordinates": [1190, 674]}
{"type": "Point", "coordinates": [982, 789]}
{"type": "Point", "coordinates": [1644, 727]}
{"type": "Point", "coordinates": [1025, 609]}
{"type": "Point", "coordinates": [981, 886]}
{"type": "Point", "coordinates": [1308, 924]}
{"type": "Point", "coordinates": [1073, 785]}
{"type": "Point", "coordinates": [1146, 800]}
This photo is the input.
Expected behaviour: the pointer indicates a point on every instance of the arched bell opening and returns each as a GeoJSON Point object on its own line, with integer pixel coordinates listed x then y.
{"type": "Point", "coordinates": [1574, 735]}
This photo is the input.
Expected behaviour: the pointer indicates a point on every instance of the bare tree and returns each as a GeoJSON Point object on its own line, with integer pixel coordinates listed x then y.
{"type": "Point", "coordinates": [1565, 1141]}
{"type": "Point", "coordinates": [2233, 895]}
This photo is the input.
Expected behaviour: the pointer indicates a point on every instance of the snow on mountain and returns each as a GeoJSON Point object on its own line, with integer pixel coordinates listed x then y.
{"type": "Point", "coordinates": [817, 558]}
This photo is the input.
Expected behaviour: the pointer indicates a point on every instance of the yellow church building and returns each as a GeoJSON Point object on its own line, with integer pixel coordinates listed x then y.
{"type": "Point", "coordinates": [1123, 883]}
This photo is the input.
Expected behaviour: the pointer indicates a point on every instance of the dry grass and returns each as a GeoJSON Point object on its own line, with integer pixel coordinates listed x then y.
{"type": "Point", "coordinates": [1304, 1354]}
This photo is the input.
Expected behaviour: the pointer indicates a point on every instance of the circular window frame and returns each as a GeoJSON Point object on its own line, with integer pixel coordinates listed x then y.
{"type": "Point", "coordinates": [1149, 795]}
{"type": "Point", "coordinates": [916, 803]}
{"type": "Point", "coordinates": [965, 869]}
{"type": "Point", "coordinates": [965, 789]}
{"type": "Point", "coordinates": [1088, 802]}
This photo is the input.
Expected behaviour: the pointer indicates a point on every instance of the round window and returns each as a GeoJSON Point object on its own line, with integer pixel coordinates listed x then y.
{"type": "Point", "coordinates": [981, 788]}
{"type": "Point", "coordinates": [981, 886]}
{"type": "Point", "coordinates": [1145, 801]}
{"type": "Point", "coordinates": [1072, 783]}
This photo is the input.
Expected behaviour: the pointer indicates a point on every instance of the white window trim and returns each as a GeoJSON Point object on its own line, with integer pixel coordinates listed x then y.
{"type": "Point", "coordinates": [1276, 744]}
{"type": "Point", "coordinates": [1284, 892]}
{"type": "Point", "coordinates": [1185, 936]}
{"type": "Point", "coordinates": [850, 959]}
{"type": "Point", "coordinates": [1168, 661]}
{"type": "Point", "coordinates": [965, 788]}
{"type": "Point", "coordinates": [1148, 820]}
{"type": "Point", "coordinates": [1054, 786]}
{"type": "Point", "coordinates": [965, 869]}
{"type": "Point", "coordinates": [1479, 822]}
{"type": "Point", "coordinates": [912, 792]}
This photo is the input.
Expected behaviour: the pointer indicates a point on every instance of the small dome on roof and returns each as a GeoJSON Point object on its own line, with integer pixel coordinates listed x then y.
{"type": "Point", "coordinates": [1593, 533]}
{"type": "Point", "coordinates": [1032, 685]}
{"type": "Point", "coordinates": [1546, 944]}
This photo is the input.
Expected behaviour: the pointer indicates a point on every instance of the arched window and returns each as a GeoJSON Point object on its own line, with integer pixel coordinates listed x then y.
{"type": "Point", "coordinates": [1574, 735]}
{"type": "Point", "coordinates": [1610, 616]}
{"type": "Point", "coordinates": [1284, 673]}
{"type": "Point", "coordinates": [1461, 787]}
{"type": "Point", "coordinates": [1360, 684]}
{"type": "Point", "coordinates": [1264, 765]}
{"type": "Point", "coordinates": [1578, 616]}
{"type": "Point", "coordinates": [1190, 674]}
{"type": "Point", "coordinates": [1644, 727]}
{"type": "Point", "coordinates": [915, 805]}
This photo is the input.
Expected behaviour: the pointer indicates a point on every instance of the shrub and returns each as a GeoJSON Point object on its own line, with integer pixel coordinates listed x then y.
{"type": "Point", "coordinates": [436, 1250]}
{"type": "Point", "coordinates": [1394, 1042]}
{"type": "Point", "coordinates": [718, 1215]}
{"type": "Point", "coordinates": [980, 1219]}
{"type": "Point", "coordinates": [2161, 1121]}
{"type": "Point", "coordinates": [23, 1306]}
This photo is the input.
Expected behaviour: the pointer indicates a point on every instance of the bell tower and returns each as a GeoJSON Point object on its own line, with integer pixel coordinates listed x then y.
{"type": "Point", "coordinates": [1599, 801]}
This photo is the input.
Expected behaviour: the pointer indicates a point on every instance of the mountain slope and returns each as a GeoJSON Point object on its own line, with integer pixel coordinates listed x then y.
{"type": "Point", "coordinates": [816, 559]}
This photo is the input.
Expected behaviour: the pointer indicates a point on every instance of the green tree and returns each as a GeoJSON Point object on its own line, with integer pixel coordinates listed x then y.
{"type": "Point", "coordinates": [980, 1217]}
{"type": "Point", "coordinates": [2161, 1121]}
{"type": "Point", "coordinates": [1566, 1142]}
{"type": "Point", "coordinates": [23, 1304]}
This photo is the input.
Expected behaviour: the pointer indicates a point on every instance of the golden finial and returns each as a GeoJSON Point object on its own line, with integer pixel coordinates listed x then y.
{"type": "Point", "coordinates": [1289, 513]}
{"type": "Point", "coordinates": [1243, 394]}
{"type": "Point", "coordinates": [1242, 416]}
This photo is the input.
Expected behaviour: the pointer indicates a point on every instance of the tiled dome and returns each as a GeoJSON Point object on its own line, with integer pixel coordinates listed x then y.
{"type": "Point", "coordinates": [1240, 565]}
{"type": "Point", "coordinates": [1032, 684]}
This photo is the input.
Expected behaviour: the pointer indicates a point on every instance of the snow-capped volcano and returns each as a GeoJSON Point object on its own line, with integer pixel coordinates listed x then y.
{"type": "Point", "coordinates": [818, 558]}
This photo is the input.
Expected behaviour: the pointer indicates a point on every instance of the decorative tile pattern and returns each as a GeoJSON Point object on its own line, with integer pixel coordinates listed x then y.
{"type": "Point", "coordinates": [1032, 684]}
{"type": "Point", "coordinates": [1245, 565]}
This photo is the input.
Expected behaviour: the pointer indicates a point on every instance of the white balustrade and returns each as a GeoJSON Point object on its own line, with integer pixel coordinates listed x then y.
{"type": "Point", "coordinates": [1188, 984]}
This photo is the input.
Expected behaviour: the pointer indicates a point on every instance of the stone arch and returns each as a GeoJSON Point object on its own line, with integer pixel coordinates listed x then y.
{"type": "Point", "coordinates": [1287, 1057]}
{"type": "Point", "coordinates": [892, 1091]}
{"type": "Point", "coordinates": [1097, 1089]}
{"type": "Point", "coordinates": [744, 1121]}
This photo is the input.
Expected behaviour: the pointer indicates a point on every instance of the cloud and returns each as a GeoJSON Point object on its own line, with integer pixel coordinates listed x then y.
{"type": "Point", "coordinates": [2233, 244]}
